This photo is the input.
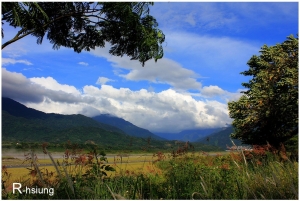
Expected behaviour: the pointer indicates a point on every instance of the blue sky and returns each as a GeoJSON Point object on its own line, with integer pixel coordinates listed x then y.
{"type": "Point", "coordinates": [207, 46]}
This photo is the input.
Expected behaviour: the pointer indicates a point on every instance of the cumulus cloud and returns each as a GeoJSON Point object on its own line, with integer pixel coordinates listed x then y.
{"type": "Point", "coordinates": [211, 91]}
{"type": "Point", "coordinates": [17, 86]}
{"type": "Point", "coordinates": [103, 80]}
{"type": "Point", "coordinates": [52, 84]}
{"type": "Point", "coordinates": [83, 63]}
{"type": "Point", "coordinates": [8, 61]}
{"type": "Point", "coordinates": [215, 92]}
{"type": "Point", "coordinates": [164, 71]}
{"type": "Point", "coordinates": [166, 111]}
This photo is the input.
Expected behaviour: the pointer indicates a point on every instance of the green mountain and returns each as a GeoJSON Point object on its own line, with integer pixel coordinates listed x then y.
{"type": "Point", "coordinates": [126, 126]}
{"type": "Point", "coordinates": [27, 125]}
{"type": "Point", "coordinates": [189, 135]}
{"type": "Point", "coordinates": [220, 139]}
{"type": "Point", "coordinates": [23, 124]}
{"type": "Point", "coordinates": [51, 120]}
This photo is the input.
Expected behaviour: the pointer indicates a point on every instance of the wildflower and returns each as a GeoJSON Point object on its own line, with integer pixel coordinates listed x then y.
{"type": "Point", "coordinates": [258, 162]}
{"type": "Point", "coordinates": [225, 166]}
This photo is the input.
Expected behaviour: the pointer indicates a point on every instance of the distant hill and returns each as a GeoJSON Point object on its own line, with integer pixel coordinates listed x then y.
{"type": "Point", "coordinates": [126, 126]}
{"type": "Point", "coordinates": [220, 138]}
{"type": "Point", "coordinates": [16, 109]}
{"type": "Point", "coordinates": [51, 120]}
{"type": "Point", "coordinates": [23, 124]}
{"type": "Point", "coordinates": [188, 135]}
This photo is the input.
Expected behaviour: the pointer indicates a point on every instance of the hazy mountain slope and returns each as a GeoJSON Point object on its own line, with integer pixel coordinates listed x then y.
{"type": "Point", "coordinates": [188, 135]}
{"type": "Point", "coordinates": [22, 123]}
{"type": "Point", "coordinates": [51, 120]}
{"type": "Point", "coordinates": [126, 126]}
{"type": "Point", "coordinates": [220, 138]}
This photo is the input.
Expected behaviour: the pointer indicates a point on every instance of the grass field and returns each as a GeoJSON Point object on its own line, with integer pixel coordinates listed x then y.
{"type": "Point", "coordinates": [126, 164]}
{"type": "Point", "coordinates": [222, 175]}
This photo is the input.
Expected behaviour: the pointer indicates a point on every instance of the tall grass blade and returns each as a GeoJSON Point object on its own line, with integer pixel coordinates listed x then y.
{"type": "Point", "coordinates": [251, 192]}
{"type": "Point", "coordinates": [241, 152]}
{"type": "Point", "coordinates": [196, 193]}
{"type": "Point", "coordinates": [37, 168]}
{"type": "Point", "coordinates": [70, 183]}
{"type": "Point", "coordinates": [114, 195]}
{"type": "Point", "coordinates": [53, 162]}
{"type": "Point", "coordinates": [204, 186]}
{"type": "Point", "coordinates": [135, 188]}
{"type": "Point", "coordinates": [239, 188]}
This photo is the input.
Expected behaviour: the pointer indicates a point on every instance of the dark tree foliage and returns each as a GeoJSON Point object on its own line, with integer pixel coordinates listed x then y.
{"type": "Point", "coordinates": [127, 26]}
{"type": "Point", "coordinates": [268, 110]}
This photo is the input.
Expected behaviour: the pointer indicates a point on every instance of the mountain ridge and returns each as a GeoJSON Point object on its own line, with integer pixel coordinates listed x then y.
{"type": "Point", "coordinates": [221, 138]}
{"type": "Point", "coordinates": [23, 124]}
{"type": "Point", "coordinates": [126, 126]}
{"type": "Point", "coordinates": [191, 135]}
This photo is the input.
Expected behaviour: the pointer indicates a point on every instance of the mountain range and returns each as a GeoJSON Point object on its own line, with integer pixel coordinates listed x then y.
{"type": "Point", "coordinates": [20, 123]}
{"type": "Point", "coordinates": [126, 126]}
{"type": "Point", "coordinates": [221, 138]}
{"type": "Point", "coordinates": [23, 124]}
{"type": "Point", "coordinates": [189, 135]}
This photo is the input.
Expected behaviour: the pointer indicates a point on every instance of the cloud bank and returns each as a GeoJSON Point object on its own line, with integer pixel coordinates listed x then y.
{"type": "Point", "coordinates": [166, 111]}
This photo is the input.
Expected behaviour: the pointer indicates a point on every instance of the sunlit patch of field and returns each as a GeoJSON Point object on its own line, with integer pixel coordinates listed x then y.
{"type": "Point", "coordinates": [135, 168]}
{"type": "Point", "coordinates": [23, 173]}
{"type": "Point", "coordinates": [125, 165]}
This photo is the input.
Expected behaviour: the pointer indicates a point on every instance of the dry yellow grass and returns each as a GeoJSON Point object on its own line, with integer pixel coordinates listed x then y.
{"type": "Point", "coordinates": [126, 165]}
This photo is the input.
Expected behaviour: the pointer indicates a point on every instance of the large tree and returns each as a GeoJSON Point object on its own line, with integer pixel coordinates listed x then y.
{"type": "Point", "coordinates": [268, 110]}
{"type": "Point", "coordinates": [127, 26]}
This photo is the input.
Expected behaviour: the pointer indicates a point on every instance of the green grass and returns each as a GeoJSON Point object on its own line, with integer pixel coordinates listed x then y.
{"type": "Point", "coordinates": [189, 176]}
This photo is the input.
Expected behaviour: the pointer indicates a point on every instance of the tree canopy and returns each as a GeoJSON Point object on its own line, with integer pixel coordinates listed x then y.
{"type": "Point", "coordinates": [268, 110]}
{"type": "Point", "coordinates": [127, 26]}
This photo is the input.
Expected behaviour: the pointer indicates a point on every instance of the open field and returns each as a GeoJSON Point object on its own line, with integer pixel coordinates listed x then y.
{"type": "Point", "coordinates": [124, 164]}
{"type": "Point", "coordinates": [128, 168]}
{"type": "Point", "coordinates": [223, 175]}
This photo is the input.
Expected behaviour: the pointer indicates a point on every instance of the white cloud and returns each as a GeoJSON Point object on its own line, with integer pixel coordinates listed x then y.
{"type": "Point", "coordinates": [103, 80]}
{"type": "Point", "coordinates": [163, 71]}
{"type": "Point", "coordinates": [8, 61]}
{"type": "Point", "coordinates": [52, 84]}
{"type": "Point", "coordinates": [209, 54]}
{"type": "Point", "coordinates": [166, 111]}
{"type": "Point", "coordinates": [83, 63]}
{"type": "Point", "coordinates": [190, 19]}
{"type": "Point", "coordinates": [212, 52]}
{"type": "Point", "coordinates": [17, 86]}
{"type": "Point", "coordinates": [216, 93]}
{"type": "Point", "coordinates": [14, 51]}
{"type": "Point", "coordinates": [212, 91]}
{"type": "Point", "coordinates": [29, 69]}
